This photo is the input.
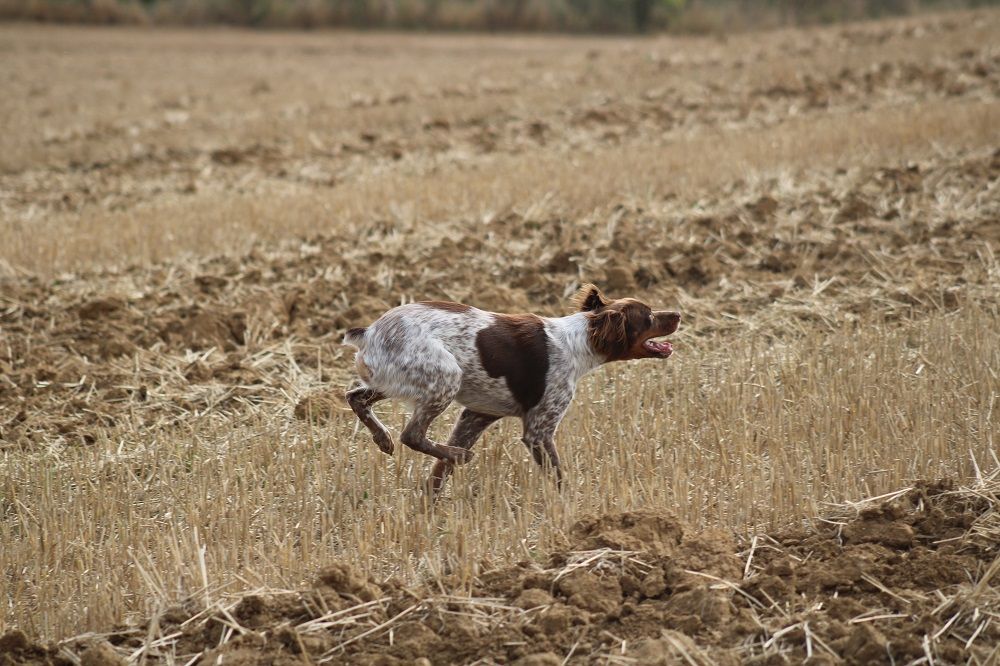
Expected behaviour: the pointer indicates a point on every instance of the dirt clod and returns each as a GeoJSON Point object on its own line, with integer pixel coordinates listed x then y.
{"type": "Point", "coordinates": [101, 654]}
{"type": "Point", "coordinates": [14, 640]}
{"type": "Point", "coordinates": [891, 534]}
{"type": "Point", "coordinates": [591, 592]}
{"type": "Point", "coordinates": [345, 579]}
{"type": "Point", "coordinates": [533, 598]}
{"type": "Point", "coordinates": [646, 531]}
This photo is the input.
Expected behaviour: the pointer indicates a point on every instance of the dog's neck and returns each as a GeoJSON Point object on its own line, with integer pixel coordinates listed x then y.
{"type": "Point", "coordinates": [570, 334]}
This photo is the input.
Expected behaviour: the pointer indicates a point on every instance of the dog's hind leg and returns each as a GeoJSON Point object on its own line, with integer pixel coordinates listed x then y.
{"type": "Point", "coordinates": [415, 433]}
{"type": "Point", "coordinates": [428, 376]}
{"type": "Point", "coordinates": [468, 428]}
{"type": "Point", "coordinates": [361, 400]}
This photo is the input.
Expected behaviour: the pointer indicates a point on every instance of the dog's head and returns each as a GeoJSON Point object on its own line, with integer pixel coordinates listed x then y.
{"type": "Point", "coordinates": [626, 328]}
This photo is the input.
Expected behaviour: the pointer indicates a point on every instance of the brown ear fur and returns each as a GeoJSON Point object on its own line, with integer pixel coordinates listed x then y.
{"type": "Point", "coordinates": [608, 335]}
{"type": "Point", "coordinates": [589, 298]}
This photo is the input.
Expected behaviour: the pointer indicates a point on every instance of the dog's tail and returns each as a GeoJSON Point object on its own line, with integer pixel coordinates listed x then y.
{"type": "Point", "coordinates": [355, 337]}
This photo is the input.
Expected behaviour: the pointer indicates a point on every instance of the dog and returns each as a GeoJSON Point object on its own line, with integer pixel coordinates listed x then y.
{"type": "Point", "coordinates": [433, 353]}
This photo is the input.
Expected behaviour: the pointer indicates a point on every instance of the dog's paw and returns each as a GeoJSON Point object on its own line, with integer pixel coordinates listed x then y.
{"type": "Point", "coordinates": [384, 442]}
{"type": "Point", "coordinates": [456, 455]}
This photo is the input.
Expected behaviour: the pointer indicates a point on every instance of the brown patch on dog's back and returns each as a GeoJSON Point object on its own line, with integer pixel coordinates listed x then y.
{"type": "Point", "coordinates": [515, 347]}
{"type": "Point", "coordinates": [447, 306]}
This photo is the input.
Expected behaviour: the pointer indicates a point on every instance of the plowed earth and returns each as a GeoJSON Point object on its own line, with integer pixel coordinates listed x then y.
{"type": "Point", "coordinates": [192, 241]}
{"type": "Point", "coordinates": [145, 344]}
{"type": "Point", "coordinates": [899, 579]}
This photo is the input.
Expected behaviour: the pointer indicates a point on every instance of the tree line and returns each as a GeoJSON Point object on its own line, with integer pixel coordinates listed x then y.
{"type": "Point", "coordinates": [600, 16]}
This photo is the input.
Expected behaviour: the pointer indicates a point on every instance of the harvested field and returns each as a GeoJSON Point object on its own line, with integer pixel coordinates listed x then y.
{"type": "Point", "coordinates": [635, 587]}
{"type": "Point", "coordinates": [191, 219]}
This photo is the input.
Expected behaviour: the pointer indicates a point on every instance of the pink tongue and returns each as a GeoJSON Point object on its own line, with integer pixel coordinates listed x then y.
{"type": "Point", "coordinates": [663, 347]}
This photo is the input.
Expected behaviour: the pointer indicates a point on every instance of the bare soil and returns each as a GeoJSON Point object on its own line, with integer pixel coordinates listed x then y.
{"type": "Point", "coordinates": [142, 346]}
{"type": "Point", "coordinates": [898, 218]}
{"type": "Point", "coordinates": [189, 243]}
{"type": "Point", "coordinates": [900, 579]}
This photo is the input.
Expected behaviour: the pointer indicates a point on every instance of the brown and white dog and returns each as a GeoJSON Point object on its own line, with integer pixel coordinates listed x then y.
{"type": "Point", "coordinates": [433, 353]}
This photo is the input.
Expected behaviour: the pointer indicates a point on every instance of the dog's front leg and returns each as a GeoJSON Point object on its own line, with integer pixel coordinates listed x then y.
{"type": "Point", "coordinates": [540, 429]}
{"type": "Point", "coordinates": [543, 450]}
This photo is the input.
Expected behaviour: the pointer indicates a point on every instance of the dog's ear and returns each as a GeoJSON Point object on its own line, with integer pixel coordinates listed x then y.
{"type": "Point", "coordinates": [589, 298]}
{"type": "Point", "coordinates": [608, 335]}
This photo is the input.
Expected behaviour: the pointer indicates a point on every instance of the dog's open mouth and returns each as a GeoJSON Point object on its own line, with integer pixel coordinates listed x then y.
{"type": "Point", "coordinates": [661, 348]}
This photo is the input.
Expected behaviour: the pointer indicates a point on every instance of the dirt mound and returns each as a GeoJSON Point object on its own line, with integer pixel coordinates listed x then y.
{"type": "Point", "coordinates": [902, 578]}
{"type": "Point", "coordinates": [647, 531]}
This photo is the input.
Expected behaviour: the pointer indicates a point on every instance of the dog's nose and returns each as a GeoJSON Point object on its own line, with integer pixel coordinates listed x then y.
{"type": "Point", "coordinates": [669, 320]}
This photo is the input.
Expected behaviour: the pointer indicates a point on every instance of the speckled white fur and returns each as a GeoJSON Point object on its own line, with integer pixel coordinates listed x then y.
{"type": "Point", "coordinates": [428, 357]}
{"type": "Point", "coordinates": [415, 351]}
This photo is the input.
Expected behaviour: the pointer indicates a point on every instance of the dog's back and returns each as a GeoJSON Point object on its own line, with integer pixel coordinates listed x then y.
{"type": "Point", "coordinates": [413, 350]}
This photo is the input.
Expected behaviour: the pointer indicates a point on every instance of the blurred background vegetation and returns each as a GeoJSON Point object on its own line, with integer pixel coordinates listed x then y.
{"type": "Point", "coordinates": [611, 16]}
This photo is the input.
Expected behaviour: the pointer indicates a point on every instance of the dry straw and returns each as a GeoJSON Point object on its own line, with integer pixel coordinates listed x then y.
{"type": "Point", "coordinates": [755, 437]}
{"type": "Point", "coordinates": [827, 226]}
{"type": "Point", "coordinates": [964, 611]}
